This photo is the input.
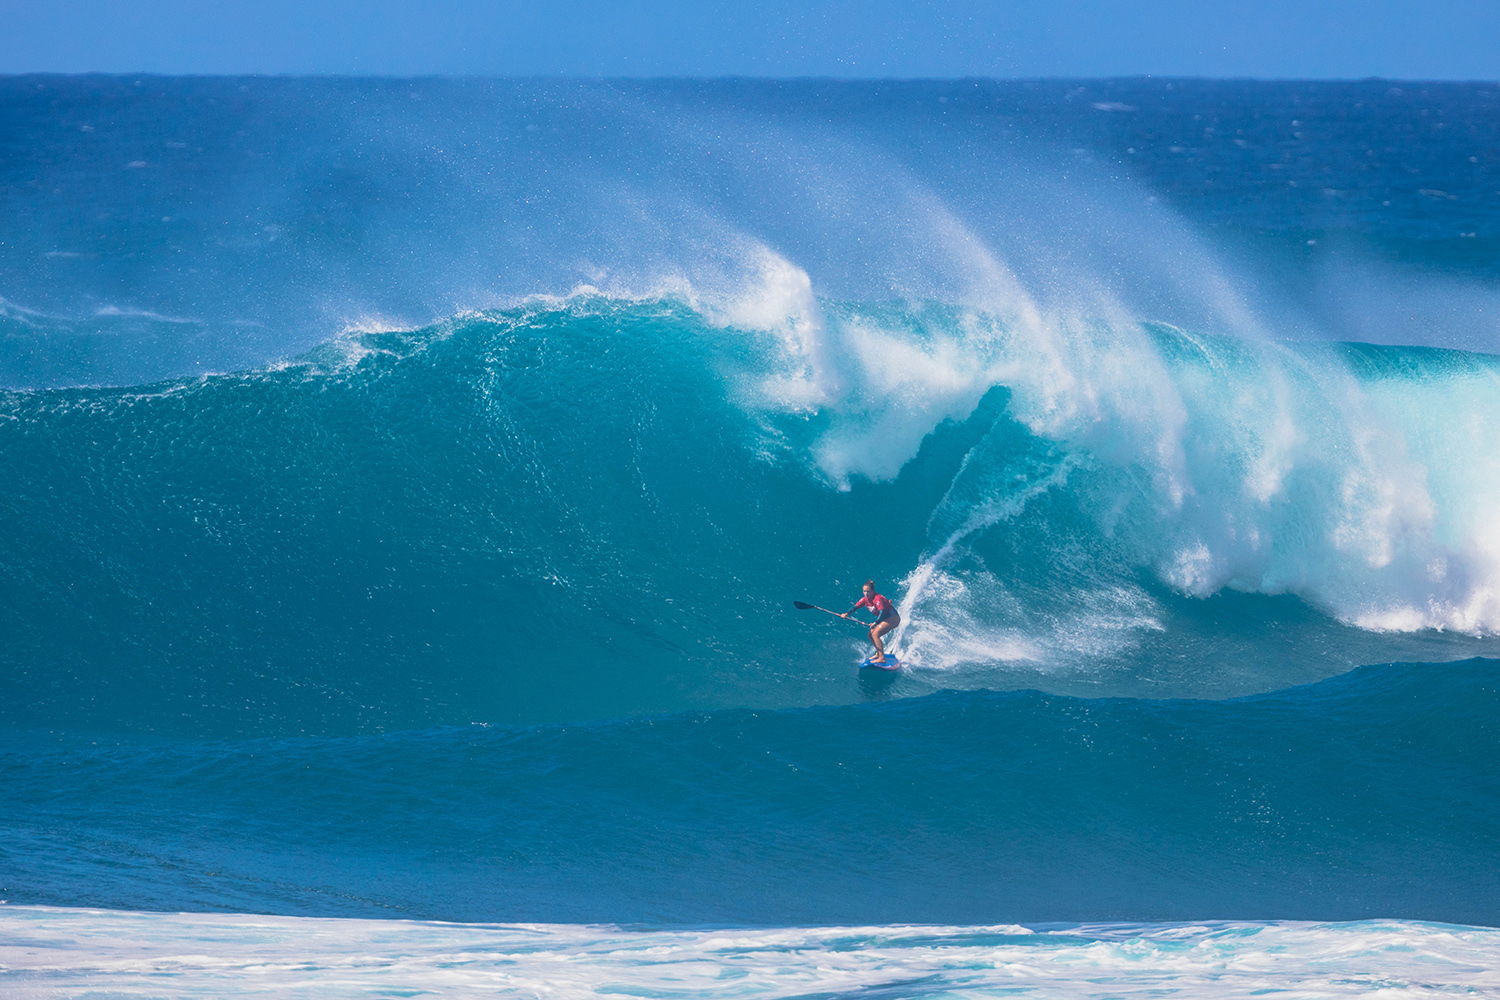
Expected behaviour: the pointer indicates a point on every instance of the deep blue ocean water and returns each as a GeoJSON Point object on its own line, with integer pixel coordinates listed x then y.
{"type": "Point", "coordinates": [407, 483]}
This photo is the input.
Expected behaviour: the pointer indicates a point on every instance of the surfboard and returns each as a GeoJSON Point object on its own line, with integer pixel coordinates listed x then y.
{"type": "Point", "coordinates": [890, 664]}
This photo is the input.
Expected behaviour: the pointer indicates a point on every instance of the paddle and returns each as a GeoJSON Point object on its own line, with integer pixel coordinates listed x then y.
{"type": "Point", "coordinates": [804, 606]}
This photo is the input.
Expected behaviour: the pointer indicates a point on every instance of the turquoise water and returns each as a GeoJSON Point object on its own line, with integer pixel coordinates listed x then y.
{"type": "Point", "coordinates": [407, 485]}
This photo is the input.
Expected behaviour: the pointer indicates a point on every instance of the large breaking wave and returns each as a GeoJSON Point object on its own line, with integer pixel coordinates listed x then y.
{"type": "Point", "coordinates": [583, 507]}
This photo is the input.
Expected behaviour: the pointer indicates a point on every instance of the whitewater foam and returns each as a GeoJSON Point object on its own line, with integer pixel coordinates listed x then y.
{"type": "Point", "coordinates": [1349, 478]}
{"type": "Point", "coordinates": [57, 952]}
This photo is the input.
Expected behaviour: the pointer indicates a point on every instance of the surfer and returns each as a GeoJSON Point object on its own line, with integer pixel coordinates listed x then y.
{"type": "Point", "coordinates": [886, 618]}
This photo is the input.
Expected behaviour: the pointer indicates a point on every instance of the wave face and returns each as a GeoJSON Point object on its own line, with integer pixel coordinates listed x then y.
{"type": "Point", "coordinates": [407, 484]}
{"type": "Point", "coordinates": [599, 507]}
{"type": "Point", "coordinates": [1373, 792]}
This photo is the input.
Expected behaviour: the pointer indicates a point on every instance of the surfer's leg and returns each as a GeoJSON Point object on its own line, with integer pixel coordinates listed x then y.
{"type": "Point", "coordinates": [880, 629]}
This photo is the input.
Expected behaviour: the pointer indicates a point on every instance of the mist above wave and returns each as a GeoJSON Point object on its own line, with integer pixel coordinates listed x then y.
{"type": "Point", "coordinates": [263, 216]}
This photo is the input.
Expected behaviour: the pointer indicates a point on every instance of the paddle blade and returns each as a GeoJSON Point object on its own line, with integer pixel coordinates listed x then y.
{"type": "Point", "coordinates": [800, 606]}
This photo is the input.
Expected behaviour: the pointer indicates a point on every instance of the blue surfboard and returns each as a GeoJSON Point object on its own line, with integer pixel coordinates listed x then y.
{"type": "Point", "coordinates": [890, 664]}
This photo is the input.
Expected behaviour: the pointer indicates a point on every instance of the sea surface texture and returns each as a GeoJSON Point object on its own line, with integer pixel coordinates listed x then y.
{"type": "Point", "coordinates": [407, 483]}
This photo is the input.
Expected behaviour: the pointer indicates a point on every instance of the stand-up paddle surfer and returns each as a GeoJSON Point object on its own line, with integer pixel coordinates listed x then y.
{"type": "Point", "coordinates": [886, 618]}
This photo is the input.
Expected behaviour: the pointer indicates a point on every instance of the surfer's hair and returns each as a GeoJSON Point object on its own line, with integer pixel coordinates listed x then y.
{"type": "Point", "coordinates": [870, 584]}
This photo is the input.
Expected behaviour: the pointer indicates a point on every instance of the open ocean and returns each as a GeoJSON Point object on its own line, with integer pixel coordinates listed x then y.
{"type": "Point", "coordinates": [406, 484]}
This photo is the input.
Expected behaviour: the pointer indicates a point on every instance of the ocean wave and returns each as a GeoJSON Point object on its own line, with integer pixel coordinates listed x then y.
{"type": "Point", "coordinates": [586, 507]}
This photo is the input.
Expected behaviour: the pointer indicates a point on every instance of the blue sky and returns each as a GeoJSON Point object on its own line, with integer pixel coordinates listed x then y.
{"type": "Point", "coordinates": [1437, 39]}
